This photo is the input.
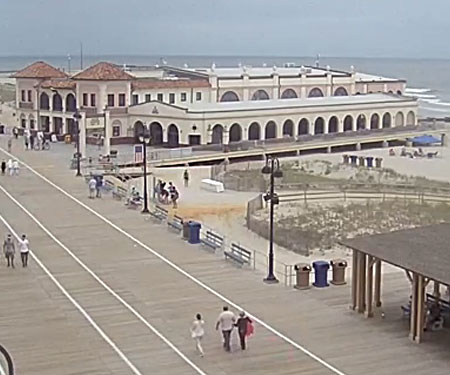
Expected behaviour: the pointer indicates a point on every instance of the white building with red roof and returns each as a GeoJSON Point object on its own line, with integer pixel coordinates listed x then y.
{"type": "Point", "coordinates": [208, 105]}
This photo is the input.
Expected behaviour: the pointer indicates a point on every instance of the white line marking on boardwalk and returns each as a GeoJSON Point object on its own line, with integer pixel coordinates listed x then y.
{"type": "Point", "coordinates": [182, 271]}
{"type": "Point", "coordinates": [104, 285]}
{"type": "Point", "coordinates": [75, 303]}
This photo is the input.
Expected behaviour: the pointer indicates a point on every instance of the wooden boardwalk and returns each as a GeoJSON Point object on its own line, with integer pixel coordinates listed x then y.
{"type": "Point", "coordinates": [46, 334]}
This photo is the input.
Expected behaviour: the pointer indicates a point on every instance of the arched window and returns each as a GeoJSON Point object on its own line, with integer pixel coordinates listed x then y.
{"type": "Point", "coordinates": [254, 132]}
{"type": "Point", "coordinates": [340, 91]}
{"type": "Point", "coordinates": [172, 136]}
{"type": "Point", "coordinates": [229, 96]}
{"type": "Point", "coordinates": [23, 121]}
{"type": "Point", "coordinates": [315, 93]}
{"type": "Point", "coordinates": [260, 95]}
{"type": "Point", "coordinates": [375, 121]}
{"type": "Point", "coordinates": [361, 122]}
{"type": "Point", "coordinates": [289, 94]}
{"type": "Point", "coordinates": [32, 122]}
{"type": "Point", "coordinates": [387, 120]}
{"type": "Point", "coordinates": [235, 133]}
{"type": "Point", "coordinates": [44, 101]}
{"type": "Point", "coordinates": [138, 130]}
{"type": "Point", "coordinates": [333, 125]}
{"type": "Point", "coordinates": [156, 133]}
{"type": "Point", "coordinates": [271, 130]}
{"type": "Point", "coordinates": [57, 102]}
{"type": "Point", "coordinates": [71, 103]}
{"type": "Point", "coordinates": [411, 118]}
{"type": "Point", "coordinates": [319, 125]}
{"type": "Point", "coordinates": [217, 134]}
{"type": "Point", "coordinates": [399, 119]}
{"type": "Point", "coordinates": [288, 128]}
{"type": "Point", "coordinates": [303, 127]}
{"type": "Point", "coordinates": [116, 128]}
{"type": "Point", "coordinates": [348, 123]}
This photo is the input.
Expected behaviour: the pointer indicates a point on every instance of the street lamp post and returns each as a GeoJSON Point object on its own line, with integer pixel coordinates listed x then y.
{"type": "Point", "coordinates": [272, 170]}
{"type": "Point", "coordinates": [144, 138]}
{"type": "Point", "coordinates": [77, 118]}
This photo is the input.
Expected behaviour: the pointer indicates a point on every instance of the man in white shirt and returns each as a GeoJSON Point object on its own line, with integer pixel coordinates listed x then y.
{"type": "Point", "coordinates": [226, 322]}
{"type": "Point", "coordinates": [92, 184]}
{"type": "Point", "coordinates": [24, 250]}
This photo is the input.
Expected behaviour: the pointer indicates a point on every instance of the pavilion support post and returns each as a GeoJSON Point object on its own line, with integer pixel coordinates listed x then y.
{"type": "Point", "coordinates": [437, 290]}
{"type": "Point", "coordinates": [413, 313]}
{"type": "Point", "coordinates": [369, 287]}
{"type": "Point", "coordinates": [361, 282]}
{"type": "Point", "coordinates": [377, 283]}
{"type": "Point", "coordinates": [420, 308]}
{"type": "Point", "coordinates": [354, 279]}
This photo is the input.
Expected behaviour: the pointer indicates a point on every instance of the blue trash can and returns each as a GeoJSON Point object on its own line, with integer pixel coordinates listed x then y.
{"type": "Point", "coordinates": [194, 232]}
{"type": "Point", "coordinates": [369, 160]}
{"type": "Point", "coordinates": [353, 159]}
{"type": "Point", "coordinates": [320, 273]}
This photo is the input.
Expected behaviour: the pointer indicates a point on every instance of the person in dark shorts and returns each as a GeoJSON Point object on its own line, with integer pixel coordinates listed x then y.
{"type": "Point", "coordinates": [9, 249]}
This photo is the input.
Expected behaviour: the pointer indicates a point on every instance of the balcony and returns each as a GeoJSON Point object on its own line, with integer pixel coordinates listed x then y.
{"type": "Point", "coordinates": [117, 110]}
{"type": "Point", "coordinates": [26, 105]}
{"type": "Point", "coordinates": [89, 110]}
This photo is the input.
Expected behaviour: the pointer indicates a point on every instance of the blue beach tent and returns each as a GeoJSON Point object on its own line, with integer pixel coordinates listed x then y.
{"type": "Point", "coordinates": [425, 140]}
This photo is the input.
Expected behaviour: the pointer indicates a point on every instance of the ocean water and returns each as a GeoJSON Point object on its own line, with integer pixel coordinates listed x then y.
{"type": "Point", "coordinates": [428, 79]}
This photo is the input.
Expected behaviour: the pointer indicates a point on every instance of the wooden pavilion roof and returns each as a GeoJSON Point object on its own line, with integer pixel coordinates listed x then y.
{"type": "Point", "coordinates": [424, 250]}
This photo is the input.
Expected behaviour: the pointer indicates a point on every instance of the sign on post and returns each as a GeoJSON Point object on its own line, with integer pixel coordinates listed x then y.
{"type": "Point", "coordinates": [138, 153]}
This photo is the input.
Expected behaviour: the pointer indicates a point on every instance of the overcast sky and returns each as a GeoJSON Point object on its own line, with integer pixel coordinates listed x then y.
{"type": "Point", "coordinates": [365, 28]}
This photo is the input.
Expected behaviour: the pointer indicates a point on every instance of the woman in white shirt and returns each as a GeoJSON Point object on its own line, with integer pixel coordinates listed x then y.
{"type": "Point", "coordinates": [24, 250]}
{"type": "Point", "coordinates": [197, 333]}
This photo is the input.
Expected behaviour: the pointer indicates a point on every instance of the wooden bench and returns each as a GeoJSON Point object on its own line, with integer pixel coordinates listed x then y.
{"type": "Point", "coordinates": [406, 309]}
{"type": "Point", "coordinates": [444, 305]}
{"type": "Point", "coordinates": [238, 254]}
{"type": "Point", "coordinates": [135, 203]}
{"type": "Point", "coordinates": [159, 213]}
{"type": "Point", "coordinates": [175, 223]}
{"type": "Point", "coordinates": [108, 186]}
{"type": "Point", "coordinates": [119, 193]}
{"type": "Point", "coordinates": [212, 241]}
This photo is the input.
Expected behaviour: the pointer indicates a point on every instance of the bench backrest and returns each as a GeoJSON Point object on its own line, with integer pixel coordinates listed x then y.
{"type": "Point", "coordinates": [122, 190]}
{"type": "Point", "coordinates": [109, 183]}
{"type": "Point", "coordinates": [242, 252]}
{"type": "Point", "coordinates": [161, 210]}
{"type": "Point", "coordinates": [178, 219]}
{"type": "Point", "coordinates": [443, 303]}
{"type": "Point", "coordinates": [214, 238]}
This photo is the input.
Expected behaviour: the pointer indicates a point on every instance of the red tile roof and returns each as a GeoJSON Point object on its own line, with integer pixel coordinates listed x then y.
{"type": "Point", "coordinates": [40, 69]}
{"type": "Point", "coordinates": [64, 83]}
{"type": "Point", "coordinates": [169, 83]}
{"type": "Point", "coordinates": [103, 71]}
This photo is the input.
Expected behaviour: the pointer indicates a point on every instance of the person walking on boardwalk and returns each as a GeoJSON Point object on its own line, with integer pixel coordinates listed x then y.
{"type": "Point", "coordinates": [197, 333]}
{"type": "Point", "coordinates": [226, 322]}
{"type": "Point", "coordinates": [24, 250]}
{"type": "Point", "coordinates": [98, 187]}
{"type": "Point", "coordinates": [92, 185]}
{"type": "Point", "coordinates": [9, 249]}
{"type": "Point", "coordinates": [3, 167]}
{"type": "Point", "coordinates": [15, 168]}
{"type": "Point", "coordinates": [245, 328]}
{"type": "Point", "coordinates": [186, 178]}
{"type": "Point", "coordinates": [9, 167]}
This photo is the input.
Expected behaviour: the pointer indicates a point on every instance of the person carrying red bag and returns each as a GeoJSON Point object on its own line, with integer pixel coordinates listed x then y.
{"type": "Point", "coordinates": [245, 328]}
